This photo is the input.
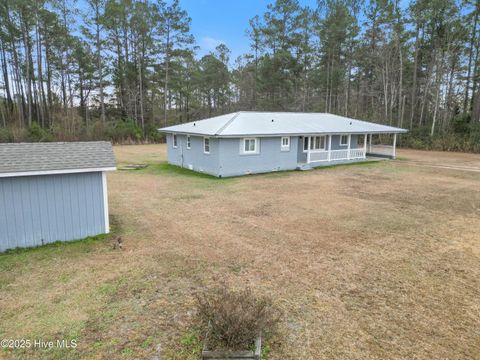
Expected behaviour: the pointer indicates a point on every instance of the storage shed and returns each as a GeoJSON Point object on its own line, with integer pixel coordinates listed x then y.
{"type": "Point", "coordinates": [53, 192]}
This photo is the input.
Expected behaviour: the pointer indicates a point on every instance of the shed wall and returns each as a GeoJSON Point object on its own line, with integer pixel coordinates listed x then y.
{"type": "Point", "coordinates": [36, 210]}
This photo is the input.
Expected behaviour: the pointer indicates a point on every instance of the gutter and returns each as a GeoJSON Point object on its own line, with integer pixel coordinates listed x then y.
{"type": "Point", "coordinates": [216, 135]}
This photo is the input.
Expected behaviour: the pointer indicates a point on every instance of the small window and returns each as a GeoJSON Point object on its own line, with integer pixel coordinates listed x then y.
{"type": "Point", "coordinates": [250, 145]}
{"type": "Point", "coordinates": [285, 143]}
{"type": "Point", "coordinates": [206, 145]}
{"type": "Point", "coordinates": [305, 143]}
{"type": "Point", "coordinates": [344, 140]}
{"type": "Point", "coordinates": [189, 145]}
{"type": "Point", "coordinates": [175, 140]}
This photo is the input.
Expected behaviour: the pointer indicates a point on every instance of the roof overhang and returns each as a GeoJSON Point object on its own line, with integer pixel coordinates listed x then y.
{"type": "Point", "coordinates": [284, 134]}
{"type": "Point", "coordinates": [55, 172]}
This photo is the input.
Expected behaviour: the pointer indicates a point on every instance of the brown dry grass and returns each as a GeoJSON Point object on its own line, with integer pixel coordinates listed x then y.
{"type": "Point", "coordinates": [372, 261]}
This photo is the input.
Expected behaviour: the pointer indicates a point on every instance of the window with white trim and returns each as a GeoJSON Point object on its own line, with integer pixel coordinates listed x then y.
{"type": "Point", "coordinates": [206, 145]}
{"type": "Point", "coordinates": [316, 143]}
{"type": "Point", "coordinates": [285, 145]}
{"type": "Point", "coordinates": [175, 140]}
{"type": "Point", "coordinates": [189, 144]}
{"type": "Point", "coordinates": [249, 146]}
{"type": "Point", "coordinates": [344, 140]}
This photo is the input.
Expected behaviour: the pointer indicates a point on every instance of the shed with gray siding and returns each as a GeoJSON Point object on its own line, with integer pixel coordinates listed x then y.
{"type": "Point", "coordinates": [250, 142]}
{"type": "Point", "coordinates": [53, 192]}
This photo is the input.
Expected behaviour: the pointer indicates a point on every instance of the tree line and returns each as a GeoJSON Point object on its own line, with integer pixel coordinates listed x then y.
{"type": "Point", "coordinates": [119, 69]}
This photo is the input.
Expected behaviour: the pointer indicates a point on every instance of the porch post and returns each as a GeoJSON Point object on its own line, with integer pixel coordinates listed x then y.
{"type": "Point", "coordinates": [370, 145]}
{"type": "Point", "coordinates": [348, 149]}
{"type": "Point", "coordinates": [308, 150]}
{"type": "Point", "coordinates": [365, 146]}
{"type": "Point", "coordinates": [394, 145]}
{"type": "Point", "coordinates": [329, 147]}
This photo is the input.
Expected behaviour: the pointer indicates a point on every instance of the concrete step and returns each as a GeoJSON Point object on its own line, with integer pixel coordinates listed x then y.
{"type": "Point", "coordinates": [304, 167]}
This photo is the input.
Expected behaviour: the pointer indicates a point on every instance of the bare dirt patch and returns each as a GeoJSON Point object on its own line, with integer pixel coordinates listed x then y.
{"type": "Point", "coordinates": [377, 261]}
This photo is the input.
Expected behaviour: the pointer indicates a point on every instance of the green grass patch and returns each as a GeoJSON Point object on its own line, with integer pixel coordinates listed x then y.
{"type": "Point", "coordinates": [81, 243]}
{"type": "Point", "coordinates": [165, 168]}
{"type": "Point", "coordinates": [13, 257]}
{"type": "Point", "coordinates": [189, 347]}
{"type": "Point", "coordinates": [357, 163]}
{"type": "Point", "coordinates": [127, 352]}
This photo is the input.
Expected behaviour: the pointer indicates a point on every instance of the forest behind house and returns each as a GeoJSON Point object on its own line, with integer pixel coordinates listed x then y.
{"type": "Point", "coordinates": [120, 69]}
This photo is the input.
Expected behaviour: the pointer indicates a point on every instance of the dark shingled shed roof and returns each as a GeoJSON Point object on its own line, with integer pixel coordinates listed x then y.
{"type": "Point", "coordinates": [21, 159]}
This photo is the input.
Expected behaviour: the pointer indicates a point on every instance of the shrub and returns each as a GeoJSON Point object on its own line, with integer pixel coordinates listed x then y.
{"type": "Point", "coordinates": [234, 319]}
{"type": "Point", "coordinates": [474, 139]}
{"type": "Point", "coordinates": [152, 134]}
{"type": "Point", "coordinates": [125, 130]}
{"type": "Point", "coordinates": [38, 134]}
{"type": "Point", "coordinates": [460, 123]}
{"type": "Point", "coordinates": [6, 135]}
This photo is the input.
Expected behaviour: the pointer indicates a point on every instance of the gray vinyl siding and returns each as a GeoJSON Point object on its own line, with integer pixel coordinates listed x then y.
{"type": "Point", "coordinates": [194, 158]}
{"type": "Point", "coordinates": [270, 157]}
{"type": "Point", "coordinates": [226, 159]}
{"type": "Point", "coordinates": [336, 142]}
{"type": "Point", "coordinates": [36, 210]}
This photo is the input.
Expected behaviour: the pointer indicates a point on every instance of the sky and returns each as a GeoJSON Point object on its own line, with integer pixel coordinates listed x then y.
{"type": "Point", "coordinates": [225, 21]}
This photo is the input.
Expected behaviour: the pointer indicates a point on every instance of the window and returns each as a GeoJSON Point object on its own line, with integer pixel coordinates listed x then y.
{"type": "Point", "coordinates": [316, 143]}
{"type": "Point", "coordinates": [344, 140]}
{"type": "Point", "coordinates": [206, 145]}
{"type": "Point", "coordinates": [319, 143]}
{"type": "Point", "coordinates": [285, 143]}
{"type": "Point", "coordinates": [249, 145]}
{"type": "Point", "coordinates": [175, 141]}
{"type": "Point", "coordinates": [189, 145]}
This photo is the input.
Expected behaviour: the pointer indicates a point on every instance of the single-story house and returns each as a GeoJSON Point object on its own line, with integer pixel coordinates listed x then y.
{"type": "Point", "coordinates": [250, 142]}
{"type": "Point", "coordinates": [53, 192]}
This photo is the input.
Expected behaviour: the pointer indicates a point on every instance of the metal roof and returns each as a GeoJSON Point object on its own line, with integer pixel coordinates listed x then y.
{"type": "Point", "coordinates": [253, 123]}
{"type": "Point", "coordinates": [21, 159]}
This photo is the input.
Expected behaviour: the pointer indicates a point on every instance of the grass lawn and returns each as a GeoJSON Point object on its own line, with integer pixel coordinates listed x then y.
{"type": "Point", "coordinates": [375, 261]}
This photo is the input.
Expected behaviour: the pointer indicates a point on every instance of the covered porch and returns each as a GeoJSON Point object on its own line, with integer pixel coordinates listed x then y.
{"type": "Point", "coordinates": [343, 148]}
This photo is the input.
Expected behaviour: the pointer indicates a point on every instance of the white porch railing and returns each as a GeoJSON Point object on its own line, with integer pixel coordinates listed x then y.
{"type": "Point", "coordinates": [318, 155]}
{"type": "Point", "coordinates": [357, 153]}
{"type": "Point", "coordinates": [336, 155]}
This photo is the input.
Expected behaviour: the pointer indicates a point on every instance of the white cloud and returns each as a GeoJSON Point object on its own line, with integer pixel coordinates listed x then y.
{"type": "Point", "coordinates": [209, 43]}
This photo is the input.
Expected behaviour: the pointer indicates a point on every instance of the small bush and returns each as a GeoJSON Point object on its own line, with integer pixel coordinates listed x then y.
{"type": "Point", "coordinates": [6, 135]}
{"type": "Point", "coordinates": [152, 134]}
{"type": "Point", "coordinates": [38, 134]}
{"type": "Point", "coordinates": [124, 130]}
{"type": "Point", "coordinates": [234, 319]}
{"type": "Point", "coordinates": [460, 123]}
